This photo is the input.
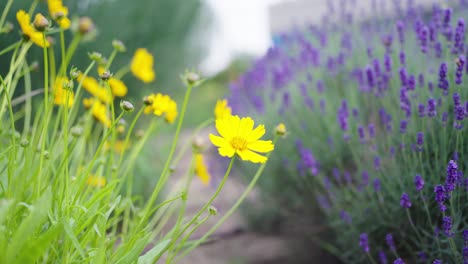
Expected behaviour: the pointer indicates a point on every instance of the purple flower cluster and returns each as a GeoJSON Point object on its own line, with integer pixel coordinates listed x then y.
{"type": "Point", "coordinates": [364, 242]}
{"type": "Point", "coordinates": [405, 201]}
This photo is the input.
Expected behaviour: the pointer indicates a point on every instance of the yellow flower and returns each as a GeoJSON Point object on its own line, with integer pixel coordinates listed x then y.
{"type": "Point", "coordinates": [222, 109]}
{"type": "Point", "coordinates": [98, 110]}
{"type": "Point", "coordinates": [162, 104]}
{"type": "Point", "coordinates": [96, 181]}
{"type": "Point", "coordinates": [142, 65]}
{"type": "Point", "coordinates": [59, 12]}
{"type": "Point", "coordinates": [29, 31]}
{"type": "Point", "coordinates": [201, 169]}
{"type": "Point", "coordinates": [61, 93]}
{"type": "Point", "coordinates": [238, 136]}
{"type": "Point", "coordinates": [119, 146]}
{"type": "Point", "coordinates": [118, 87]}
{"type": "Point", "coordinates": [92, 86]}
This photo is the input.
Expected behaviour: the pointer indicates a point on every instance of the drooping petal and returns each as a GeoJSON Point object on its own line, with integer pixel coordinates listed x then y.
{"type": "Point", "coordinates": [251, 156]}
{"type": "Point", "coordinates": [256, 134]}
{"type": "Point", "coordinates": [262, 146]}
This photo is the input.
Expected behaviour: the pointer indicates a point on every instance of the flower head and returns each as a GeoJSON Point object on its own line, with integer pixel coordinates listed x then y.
{"type": "Point", "coordinates": [405, 201]}
{"type": "Point", "coordinates": [161, 104]}
{"type": "Point", "coordinates": [92, 86]}
{"type": "Point", "coordinates": [398, 261]}
{"type": "Point", "coordinates": [390, 242]}
{"type": "Point", "coordinates": [222, 109]}
{"type": "Point", "coordinates": [364, 242]}
{"type": "Point", "coordinates": [238, 136]}
{"type": "Point", "coordinates": [418, 182]}
{"type": "Point", "coordinates": [98, 110]}
{"type": "Point", "coordinates": [201, 170]}
{"type": "Point", "coordinates": [59, 13]}
{"type": "Point", "coordinates": [29, 31]}
{"type": "Point", "coordinates": [142, 65]}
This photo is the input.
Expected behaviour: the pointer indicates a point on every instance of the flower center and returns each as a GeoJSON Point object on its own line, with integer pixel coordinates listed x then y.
{"type": "Point", "coordinates": [239, 143]}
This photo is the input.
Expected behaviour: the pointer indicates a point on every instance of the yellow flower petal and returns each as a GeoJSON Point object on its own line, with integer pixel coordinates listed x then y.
{"type": "Point", "coordinates": [256, 134]}
{"type": "Point", "coordinates": [226, 152]}
{"type": "Point", "coordinates": [248, 155]}
{"type": "Point", "coordinates": [262, 146]}
{"type": "Point", "coordinates": [201, 170]}
{"type": "Point", "coordinates": [219, 141]}
{"type": "Point", "coordinates": [142, 65]}
{"type": "Point", "coordinates": [118, 87]}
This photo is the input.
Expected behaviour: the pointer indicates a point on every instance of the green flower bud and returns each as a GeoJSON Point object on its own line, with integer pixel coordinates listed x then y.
{"type": "Point", "coordinates": [118, 45]}
{"type": "Point", "coordinates": [126, 106]}
{"type": "Point", "coordinates": [76, 131]}
{"type": "Point", "coordinates": [212, 210]}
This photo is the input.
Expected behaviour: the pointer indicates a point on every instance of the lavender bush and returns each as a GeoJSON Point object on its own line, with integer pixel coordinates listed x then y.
{"type": "Point", "coordinates": [377, 112]}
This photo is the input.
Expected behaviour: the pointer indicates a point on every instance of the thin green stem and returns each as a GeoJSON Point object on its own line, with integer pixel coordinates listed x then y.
{"type": "Point", "coordinates": [234, 207]}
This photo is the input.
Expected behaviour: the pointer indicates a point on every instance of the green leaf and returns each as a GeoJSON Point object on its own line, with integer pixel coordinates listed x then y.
{"type": "Point", "coordinates": [134, 251]}
{"type": "Point", "coordinates": [37, 248]}
{"type": "Point", "coordinates": [28, 227]}
{"type": "Point", "coordinates": [155, 251]}
{"type": "Point", "coordinates": [73, 238]}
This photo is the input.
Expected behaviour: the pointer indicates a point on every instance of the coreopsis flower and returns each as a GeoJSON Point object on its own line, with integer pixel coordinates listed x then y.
{"type": "Point", "coordinates": [59, 13]}
{"type": "Point", "coordinates": [222, 109]}
{"type": "Point", "coordinates": [201, 170]}
{"type": "Point", "coordinates": [142, 65]}
{"type": "Point", "coordinates": [92, 86]}
{"type": "Point", "coordinates": [161, 105]}
{"type": "Point", "coordinates": [96, 181]}
{"type": "Point", "coordinates": [29, 31]}
{"type": "Point", "coordinates": [239, 137]}
{"type": "Point", "coordinates": [98, 110]}
{"type": "Point", "coordinates": [63, 95]}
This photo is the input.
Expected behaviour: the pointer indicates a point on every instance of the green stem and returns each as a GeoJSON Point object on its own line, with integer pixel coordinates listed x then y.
{"type": "Point", "coordinates": [234, 207]}
{"type": "Point", "coordinates": [204, 208]}
{"type": "Point", "coordinates": [11, 47]}
{"type": "Point", "coordinates": [5, 12]}
{"type": "Point", "coordinates": [164, 174]}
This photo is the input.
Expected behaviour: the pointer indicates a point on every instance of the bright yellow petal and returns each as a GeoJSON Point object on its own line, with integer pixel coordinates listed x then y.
{"type": "Point", "coordinates": [219, 141]}
{"type": "Point", "coordinates": [251, 156]}
{"type": "Point", "coordinates": [256, 134]}
{"type": "Point", "coordinates": [224, 128]}
{"type": "Point", "coordinates": [262, 146]}
{"type": "Point", "coordinates": [226, 152]}
{"type": "Point", "coordinates": [245, 127]}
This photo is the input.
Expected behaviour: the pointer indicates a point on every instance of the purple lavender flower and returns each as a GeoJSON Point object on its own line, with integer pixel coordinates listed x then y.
{"type": "Point", "coordinates": [443, 82]}
{"type": "Point", "coordinates": [355, 112]}
{"type": "Point", "coordinates": [444, 118]}
{"type": "Point", "coordinates": [440, 196]}
{"type": "Point", "coordinates": [402, 58]}
{"type": "Point", "coordinates": [405, 201]}
{"type": "Point", "coordinates": [411, 83]}
{"type": "Point", "coordinates": [447, 225]}
{"type": "Point", "coordinates": [437, 261]}
{"type": "Point", "coordinates": [465, 254]}
{"type": "Point", "coordinates": [371, 129]}
{"type": "Point", "coordinates": [423, 38]}
{"type": "Point", "coordinates": [438, 49]}
{"type": "Point", "coordinates": [390, 242]}
{"type": "Point", "coordinates": [430, 86]}
{"type": "Point", "coordinates": [418, 182]}
{"type": "Point", "coordinates": [421, 80]}
{"type": "Point", "coordinates": [403, 77]}
{"type": "Point", "coordinates": [336, 174]}
{"type": "Point", "coordinates": [376, 184]}
{"type": "Point", "coordinates": [370, 78]}
{"type": "Point", "coordinates": [365, 179]}
{"type": "Point", "coordinates": [320, 86]}
{"type": "Point", "coordinates": [459, 116]}
{"type": "Point", "coordinates": [401, 33]}
{"type": "Point", "coordinates": [398, 261]}
{"type": "Point", "coordinates": [420, 139]}
{"type": "Point", "coordinates": [452, 176]}
{"type": "Point", "coordinates": [421, 110]}
{"type": "Point", "coordinates": [456, 99]}
{"type": "Point", "coordinates": [364, 242]}
{"type": "Point", "coordinates": [347, 177]}
{"type": "Point", "coordinates": [345, 217]}
{"type": "Point", "coordinates": [382, 257]}
{"type": "Point", "coordinates": [431, 107]}
{"type": "Point", "coordinates": [465, 235]}
{"type": "Point", "coordinates": [403, 126]}
{"type": "Point", "coordinates": [361, 134]}
{"type": "Point", "coordinates": [387, 63]}
{"type": "Point", "coordinates": [422, 256]}
{"type": "Point", "coordinates": [458, 46]}
{"type": "Point", "coordinates": [447, 18]}
{"type": "Point", "coordinates": [377, 163]}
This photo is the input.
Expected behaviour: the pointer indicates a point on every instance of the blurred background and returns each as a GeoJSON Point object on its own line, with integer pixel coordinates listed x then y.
{"type": "Point", "coordinates": [219, 39]}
